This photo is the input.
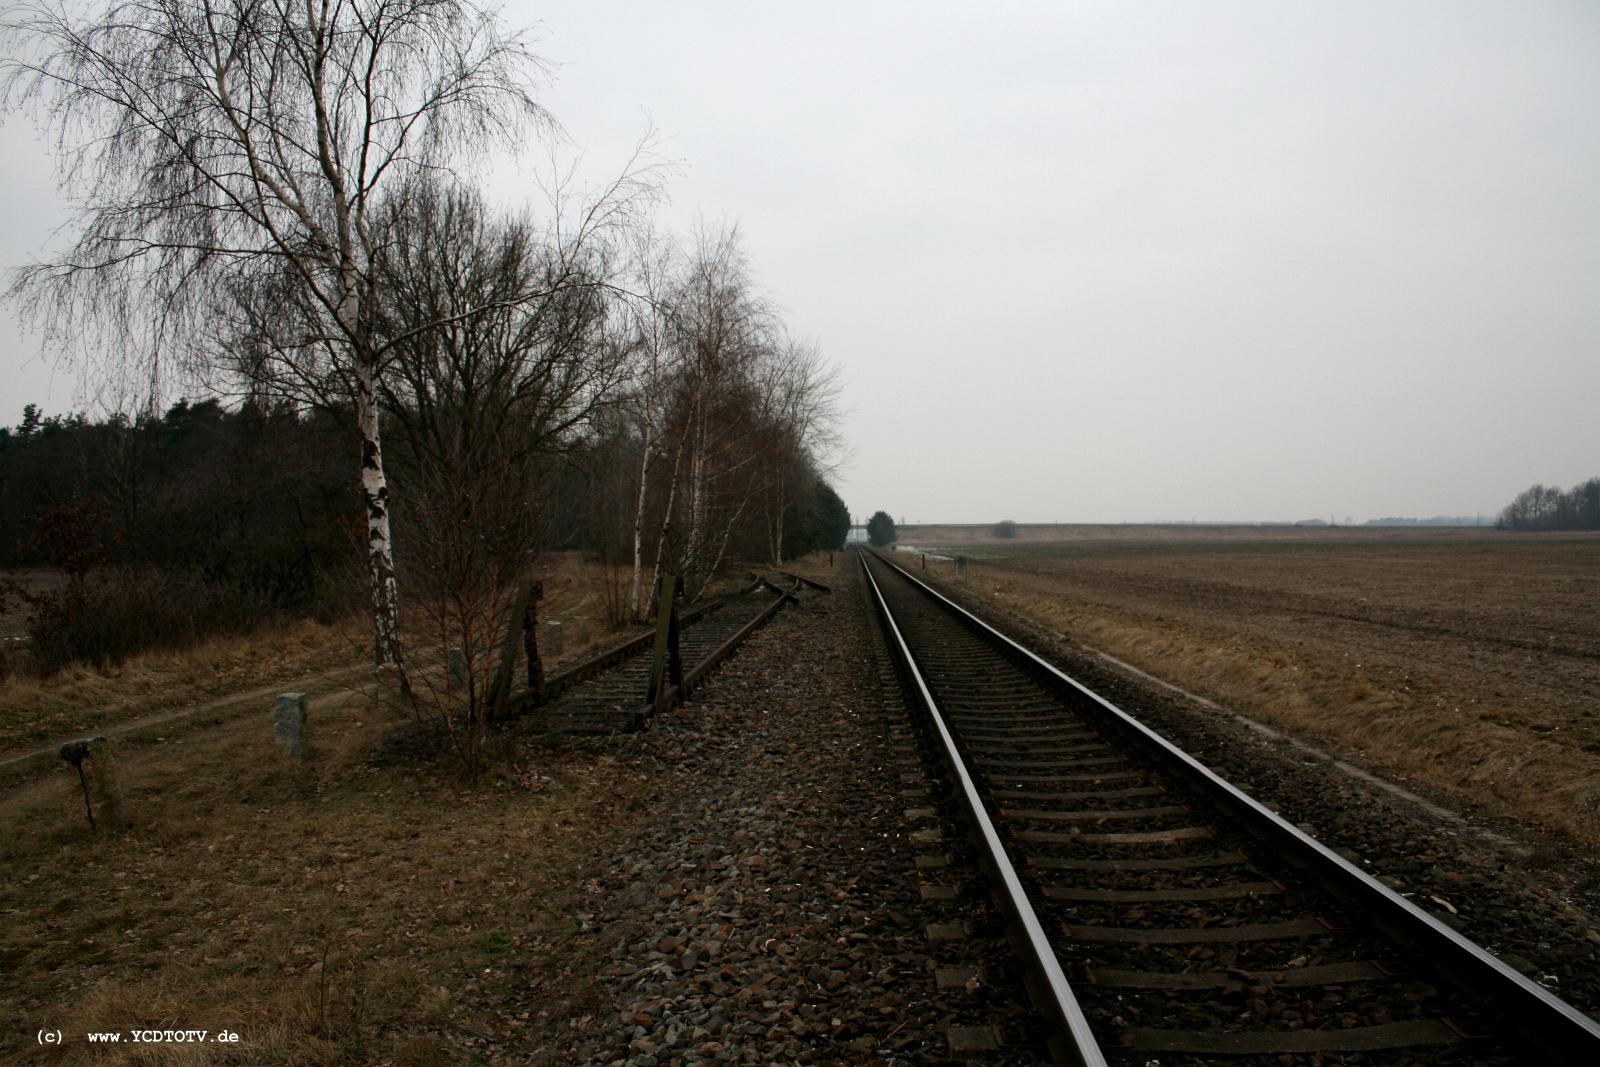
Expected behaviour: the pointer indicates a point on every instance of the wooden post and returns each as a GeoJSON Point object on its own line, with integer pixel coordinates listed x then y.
{"type": "Point", "coordinates": [961, 568]}
{"type": "Point", "coordinates": [924, 561]}
{"type": "Point", "coordinates": [666, 659]}
{"type": "Point", "coordinates": [530, 645]}
{"type": "Point", "coordinates": [500, 691]}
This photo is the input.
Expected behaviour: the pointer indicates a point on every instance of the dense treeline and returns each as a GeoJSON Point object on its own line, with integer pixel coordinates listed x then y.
{"type": "Point", "coordinates": [676, 432]}
{"type": "Point", "coordinates": [173, 527]}
{"type": "Point", "coordinates": [1548, 508]}
{"type": "Point", "coordinates": [252, 497]}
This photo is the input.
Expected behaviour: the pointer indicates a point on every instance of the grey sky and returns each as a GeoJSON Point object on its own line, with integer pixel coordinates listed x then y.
{"type": "Point", "coordinates": [1116, 261]}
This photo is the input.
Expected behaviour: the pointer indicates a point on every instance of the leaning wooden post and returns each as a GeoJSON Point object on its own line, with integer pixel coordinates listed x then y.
{"type": "Point", "coordinates": [666, 659]}
{"type": "Point", "coordinates": [500, 691]}
{"type": "Point", "coordinates": [530, 645]}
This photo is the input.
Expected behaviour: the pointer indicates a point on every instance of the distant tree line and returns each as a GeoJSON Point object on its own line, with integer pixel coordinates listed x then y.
{"type": "Point", "coordinates": [1434, 520]}
{"type": "Point", "coordinates": [254, 497]}
{"type": "Point", "coordinates": [1548, 508]}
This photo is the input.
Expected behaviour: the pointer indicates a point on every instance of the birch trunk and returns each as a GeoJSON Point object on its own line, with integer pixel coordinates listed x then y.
{"type": "Point", "coordinates": [638, 527]}
{"type": "Point", "coordinates": [380, 546]}
{"type": "Point", "coordinates": [777, 522]}
{"type": "Point", "coordinates": [697, 501]}
{"type": "Point", "coordinates": [722, 546]}
{"type": "Point", "coordinates": [666, 522]}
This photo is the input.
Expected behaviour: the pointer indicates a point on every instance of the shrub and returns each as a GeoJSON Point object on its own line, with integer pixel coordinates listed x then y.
{"type": "Point", "coordinates": [106, 617]}
{"type": "Point", "coordinates": [1005, 529]}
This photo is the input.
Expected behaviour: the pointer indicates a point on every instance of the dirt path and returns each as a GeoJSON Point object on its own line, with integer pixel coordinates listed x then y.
{"type": "Point", "coordinates": [304, 684]}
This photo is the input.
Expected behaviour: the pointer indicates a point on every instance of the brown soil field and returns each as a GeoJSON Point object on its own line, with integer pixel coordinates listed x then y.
{"type": "Point", "coordinates": [1465, 661]}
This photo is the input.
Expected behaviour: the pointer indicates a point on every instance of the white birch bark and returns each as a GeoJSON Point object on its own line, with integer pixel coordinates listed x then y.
{"type": "Point", "coordinates": [666, 523]}
{"type": "Point", "coordinates": [638, 523]}
{"type": "Point", "coordinates": [380, 546]}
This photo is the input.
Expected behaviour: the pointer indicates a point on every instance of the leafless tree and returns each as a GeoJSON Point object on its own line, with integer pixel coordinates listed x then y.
{"type": "Point", "coordinates": [656, 368]}
{"type": "Point", "coordinates": [217, 144]}
{"type": "Point", "coordinates": [799, 397]}
{"type": "Point", "coordinates": [481, 404]}
{"type": "Point", "coordinates": [722, 330]}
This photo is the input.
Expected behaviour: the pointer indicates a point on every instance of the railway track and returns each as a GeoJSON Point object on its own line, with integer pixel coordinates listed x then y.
{"type": "Point", "coordinates": [607, 693]}
{"type": "Point", "coordinates": [1163, 916]}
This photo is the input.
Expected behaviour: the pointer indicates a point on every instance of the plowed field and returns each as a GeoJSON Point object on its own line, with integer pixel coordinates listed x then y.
{"type": "Point", "coordinates": [1467, 661]}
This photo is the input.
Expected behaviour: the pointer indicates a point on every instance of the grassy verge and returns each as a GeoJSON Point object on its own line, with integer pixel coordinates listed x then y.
{"type": "Point", "coordinates": [327, 912]}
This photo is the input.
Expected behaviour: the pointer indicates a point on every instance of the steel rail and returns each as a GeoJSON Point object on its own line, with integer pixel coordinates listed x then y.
{"type": "Point", "coordinates": [678, 693]}
{"type": "Point", "coordinates": [519, 702]}
{"type": "Point", "coordinates": [1547, 1022]}
{"type": "Point", "coordinates": [810, 582]}
{"type": "Point", "coordinates": [1051, 992]}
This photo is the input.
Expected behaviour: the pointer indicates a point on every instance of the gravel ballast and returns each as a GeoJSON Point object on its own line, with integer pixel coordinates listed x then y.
{"type": "Point", "coordinates": [774, 911]}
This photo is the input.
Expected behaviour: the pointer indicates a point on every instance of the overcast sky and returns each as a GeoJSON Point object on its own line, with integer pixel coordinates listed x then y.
{"type": "Point", "coordinates": [1099, 262]}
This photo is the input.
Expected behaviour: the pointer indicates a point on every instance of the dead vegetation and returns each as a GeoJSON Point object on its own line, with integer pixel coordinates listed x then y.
{"type": "Point", "coordinates": [218, 673]}
{"type": "Point", "coordinates": [329, 912]}
{"type": "Point", "coordinates": [1466, 661]}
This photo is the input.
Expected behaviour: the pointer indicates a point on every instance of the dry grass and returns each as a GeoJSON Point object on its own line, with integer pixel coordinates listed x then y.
{"type": "Point", "coordinates": [327, 913]}
{"type": "Point", "coordinates": [84, 700]}
{"type": "Point", "coordinates": [1467, 661]}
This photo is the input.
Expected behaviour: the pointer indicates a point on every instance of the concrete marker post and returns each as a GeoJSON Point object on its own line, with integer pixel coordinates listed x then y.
{"type": "Point", "coordinates": [289, 724]}
{"type": "Point", "coordinates": [107, 786]}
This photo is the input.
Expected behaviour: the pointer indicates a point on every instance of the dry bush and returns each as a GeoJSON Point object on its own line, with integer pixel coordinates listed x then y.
{"type": "Point", "coordinates": [105, 617]}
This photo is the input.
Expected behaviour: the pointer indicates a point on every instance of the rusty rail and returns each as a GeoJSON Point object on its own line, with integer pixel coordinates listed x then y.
{"type": "Point", "coordinates": [694, 676]}
{"type": "Point", "coordinates": [519, 703]}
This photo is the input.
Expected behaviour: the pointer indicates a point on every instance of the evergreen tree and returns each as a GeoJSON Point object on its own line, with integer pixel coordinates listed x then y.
{"type": "Point", "coordinates": [880, 529]}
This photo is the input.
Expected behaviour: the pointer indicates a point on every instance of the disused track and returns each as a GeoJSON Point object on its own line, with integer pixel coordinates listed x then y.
{"type": "Point", "coordinates": [1163, 915]}
{"type": "Point", "coordinates": [607, 693]}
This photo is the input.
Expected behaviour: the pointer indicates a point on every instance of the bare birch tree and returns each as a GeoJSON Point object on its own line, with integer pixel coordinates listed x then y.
{"type": "Point", "coordinates": [655, 369]}
{"type": "Point", "coordinates": [722, 328]}
{"type": "Point", "coordinates": [212, 144]}
{"type": "Point", "coordinates": [799, 396]}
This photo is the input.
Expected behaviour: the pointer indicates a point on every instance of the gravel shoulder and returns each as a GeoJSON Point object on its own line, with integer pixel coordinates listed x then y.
{"type": "Point", "coordinates": [771, 910]}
